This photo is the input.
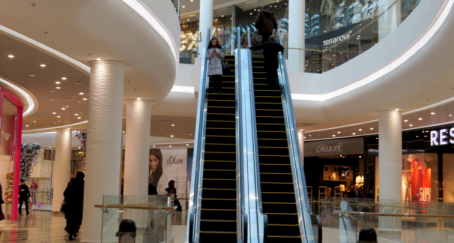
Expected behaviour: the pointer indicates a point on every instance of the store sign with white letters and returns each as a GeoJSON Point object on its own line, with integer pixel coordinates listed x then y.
{"type": "Point", "coordinates": [442, 137]}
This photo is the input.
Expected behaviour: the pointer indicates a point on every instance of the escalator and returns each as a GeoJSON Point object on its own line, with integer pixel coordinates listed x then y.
{"type": "Point", "coordinates": [278, 197]}
{"type": "Point", "coordinates": [218, 208]}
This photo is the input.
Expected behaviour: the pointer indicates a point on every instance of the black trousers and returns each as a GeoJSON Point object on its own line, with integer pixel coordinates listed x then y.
{"type": "Point", "coordinates": [271, 74]}
{"type": "Point", "coordinates": [217, 80]}
{"type": "Point", "coordinates": [23, 200]}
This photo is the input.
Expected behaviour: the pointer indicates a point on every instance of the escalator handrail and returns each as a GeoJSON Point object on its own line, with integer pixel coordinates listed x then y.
{"type": "Point", "coordinates": [302, 201]}
{"type": "Point", "coordinates": [194, 209]}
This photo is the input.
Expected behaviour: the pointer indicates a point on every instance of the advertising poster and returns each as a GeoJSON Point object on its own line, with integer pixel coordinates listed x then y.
{"type": "Point", "coordinates": [166, 165]}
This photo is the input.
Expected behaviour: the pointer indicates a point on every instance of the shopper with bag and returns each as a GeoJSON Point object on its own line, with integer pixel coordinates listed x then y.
{"type": "Point", "coordinates": [215, 68]}
{"type": "Point", "coordinates": [266, 23]}
{"type": "Point", "coordinates": [24, 195]}
{"type": "Point", "coordinates": [244, 41]}
{"type": "Point", "coordinates": [74, 204]}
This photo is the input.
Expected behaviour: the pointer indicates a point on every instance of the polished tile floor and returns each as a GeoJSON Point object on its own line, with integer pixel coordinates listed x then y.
{"type": "Point", "coordinates": [38, 227]}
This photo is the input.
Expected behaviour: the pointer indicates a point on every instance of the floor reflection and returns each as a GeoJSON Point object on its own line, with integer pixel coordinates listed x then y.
{"type": "Point", "coordinates": [38, 227]}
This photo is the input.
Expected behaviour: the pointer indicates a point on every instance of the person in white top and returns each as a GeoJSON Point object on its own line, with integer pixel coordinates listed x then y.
{"type": "Point", "coordinates": [157, 180]}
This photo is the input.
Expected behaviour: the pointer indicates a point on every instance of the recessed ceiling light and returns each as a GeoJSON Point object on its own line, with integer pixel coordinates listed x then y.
{"type": "Point", "coordinates": [334, 135]}
{"type": "Point", "coordinates": [67, 106]}
{"type": "Point", "coordinates": [405, 120]}
{"type": "Point", "coordinates": [11, 56]}
{"type": "Point", "coordinates": [43, 65]}
{"type": "Point", "coordinates": [171, 136]}
{"type": "Point", "coordinates": [188, 19]}
{"type": "Point", "coordinates": [417, 136]}
{"type": "Point", "coordinates": [450, 114]}
{"type": "Point", "coordinates": [371, 128]}
{"type": "Point", "coordinates": [411, 125]}
{"type": "Point", "coordinates": [99, 59]}
{"type": "Point", "coordinates": [57, 87]}
{"type": "Point", "coordinates": [360, 130]}
{"type": "Point", "coordinates": [376, 138]}
{"type": "Point", "coordinates": [76, 114]}
{"type": "Point", "coordinates": [170, 146]}
{"type": "Point", "coordinates": [85, 99]}
{"type": "Point", "coordinates": [187, 144]}
{"type": "Point", "coordinates": [58, 82]}
{"type": "Point", "coordinates": [304, 137]}
{"type": "Point", "coordinates": [397, 109]}
{"type": "Point", "coordinates": [26, 125]}
{"type": "Point", "coordinates": [31, 75]}
{"type": "Point", "coordinates": [53, 91]}
{"type": "Point", "coordinates": [34, 121]}
{"type": "Point", "coordinates": [123, 131]}
{"type": "Point", "coordinates": [81, 93]}
{"type": "Point", "coordinates": [138, 98]}
{"type": "Point", "coordinates": [432, 113]}
{"type": "Point", "coordinates": [63, 78]}
{"type": "Point", "coordinates": [173, 125]}
{"type": "Point", "coordinates": [58, 116]}
{"type": "Point", "coordinates": [63, 109]}
{"type": "Point", "coordinates": [54, 113]}
{"type": "Point", "coordinates": [154, 146]}
{"type": "Point", "coordinates": [338, 132]}
{"type": "Point", "coordinates": [79, 117]}
{"type": "Point", "coordinates": [420, 118]}
{"type": "Point", "coordinates": [354, 133]}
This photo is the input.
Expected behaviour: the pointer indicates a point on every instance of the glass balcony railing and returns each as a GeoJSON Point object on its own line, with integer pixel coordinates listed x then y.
{"type": "Point", "coordinates": [156, 218]}
{"type": "Point", "coordinates": [335, 31]}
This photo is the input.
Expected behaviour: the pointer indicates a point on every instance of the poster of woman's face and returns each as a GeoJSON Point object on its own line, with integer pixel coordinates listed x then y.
{"type": "Point", "coordinates": [155, 171]}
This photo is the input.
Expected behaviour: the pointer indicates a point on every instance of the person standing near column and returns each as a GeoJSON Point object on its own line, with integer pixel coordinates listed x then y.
{"type": "Point", "coordinates": [74, 199]}
{"type": "Point", "coordinates": [266, 23]}
{"type": "Point", "coordinates": [24, 194]}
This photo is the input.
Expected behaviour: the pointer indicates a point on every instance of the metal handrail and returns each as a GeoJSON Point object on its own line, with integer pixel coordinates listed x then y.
{"type": "Point", "coordinates": [135, 206]}
{"type": "Point", "coordinates": [396, 214]}
{"type": "Point", "coordinates": [199, 153]}
{"type": "Point", "coordinates": [302, 201]}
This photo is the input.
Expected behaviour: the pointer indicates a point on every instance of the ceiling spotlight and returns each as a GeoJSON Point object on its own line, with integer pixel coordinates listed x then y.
{"type": "Point", "coordinates": [123, 131]}
{"type": "Point", "coordinates": [154, 146]}
{"type": "Point", "coordinates": [58, 116]}
{"type": "Point", "coordinates": [371, 128]}
{"type": "Point", "coordinates": [57, 87]}
{"type": "Point", "coordinates": [417, 136]}
{"type": "Point", "coordinates": [27, 125]}
{"type": "Point", "coordinates": [170, 146]}
{"type": "Point", "coordinates": [63, 109]}
{"type": "Point", "coordinates": [54, 113]}
{"type": "Point", "coordinates": [138, 98]}
{"type": "Point", "coordinates": [79, 117]}
{"type": "Point", "coordinates": [171, 136]}
{"type": "Point", "coordinates": [183, 6]}
{"type": "Point", "coordinates": [222, 16]}
{"type": "Point", "coordinates": [354, 133]}
{"type": "Point", "coordinates": [43, 65]}
{"type": "Point", "coordinates": [98, 59]}
{"type": "Point", "coordinates": [397, 109]}
{"type": "Point", "coordinates": [187, 144]}
{"type": "Point", "coordinates": [450, 114]}
{"type": "Point", "coordinates": [85, 99]}
{"type": "Point", "coordinates": [338, 132]}
{"type": "Point", "coordinates": [31, 75]}
{"type": "Point", "coordinates": [63, 78]}
{"type": "Point", "coordinates": [432, 113]}
{"type": "Point", "coordinates": [67, 106]}
{"type": "Point", "coordinates": [334, 135]}
{"type": "Point", "coordinates": [76, 114]}
{"type": "Point", "coordinates": [11, 56]}
{"type": "Point", "coordinates": [173, 125]}
{"type": "Point", "coordinates": [360, 130]}
{"type": "Point", "coordinates": [411, 125]}
{"type": "Point", "coordinates": [420, 118]}
{"type": "Point", "coordinates": [34, 121]}
{"type": "Point", "coordinates": [405, 120]}
{"type": "Point", "coordinates": [81, 93]}
{"type": "Point", "coordinates": [304, 137]}
{"type": "Point", "coordinates": [58, 82]}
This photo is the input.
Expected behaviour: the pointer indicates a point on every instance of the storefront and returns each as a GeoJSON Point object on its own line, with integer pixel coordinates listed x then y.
{"type": "Point", "coordinates": [427, 164]}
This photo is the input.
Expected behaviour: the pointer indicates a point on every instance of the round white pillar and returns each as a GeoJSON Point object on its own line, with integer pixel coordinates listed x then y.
{"type": "Point", "coordinates": [296, 35]}
{"type": "Point", "coordinates": [390, 155]}
{"type": "Point", "coordinates": [137, 147]}
{"type": "Point", "coordinates": [205, 21]}
{"type": "Point", "coordinates": [103, 160]}
{"type": "Point", "coordinates": [62, 166]}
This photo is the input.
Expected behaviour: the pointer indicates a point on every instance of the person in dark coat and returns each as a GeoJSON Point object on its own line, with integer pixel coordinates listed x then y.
{"type": "Point", "coordinates": [24, 194]}
{"type": "Point", "coordinates": [355, 193]}
{"type": "Point", "coordinates": [271, 50]}
{"type": "Point", "coordinates": [74, 199]}
{"type": "Point", "coordinates": [266, 23]}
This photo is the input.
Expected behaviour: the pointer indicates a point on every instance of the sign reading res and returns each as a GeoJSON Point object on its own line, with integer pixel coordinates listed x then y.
{"type": "Point", "coordinates": [441, 137]}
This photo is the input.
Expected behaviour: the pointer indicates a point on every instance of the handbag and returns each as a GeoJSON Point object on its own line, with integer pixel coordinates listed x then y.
{"type": "Point", "coordinates": [225, 67]}
{"type": "Point", "coordinates": [64, 207]}
{"type": "Point", "coordinates": [258, 38]}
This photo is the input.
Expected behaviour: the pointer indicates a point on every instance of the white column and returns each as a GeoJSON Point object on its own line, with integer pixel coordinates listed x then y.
{"type": "Point", "coordinates": [205, 21]}
{"type": "Point", "coordinates": [296, 35]}
{"type": "Point", "coordinates": [104, 142]}
{"type": "Point", "coordinates": [137, 147]}
{"type": "Point", "coordinates": [62, 166]}
{"type": "Point", "coordinates": [391, 18]}
{"type": "Point", "coordinates": [390, 167]}
{"type": "Point", "coordinates": [301, 143]}
{"type": "Point", "coordinates": [390, 155]}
